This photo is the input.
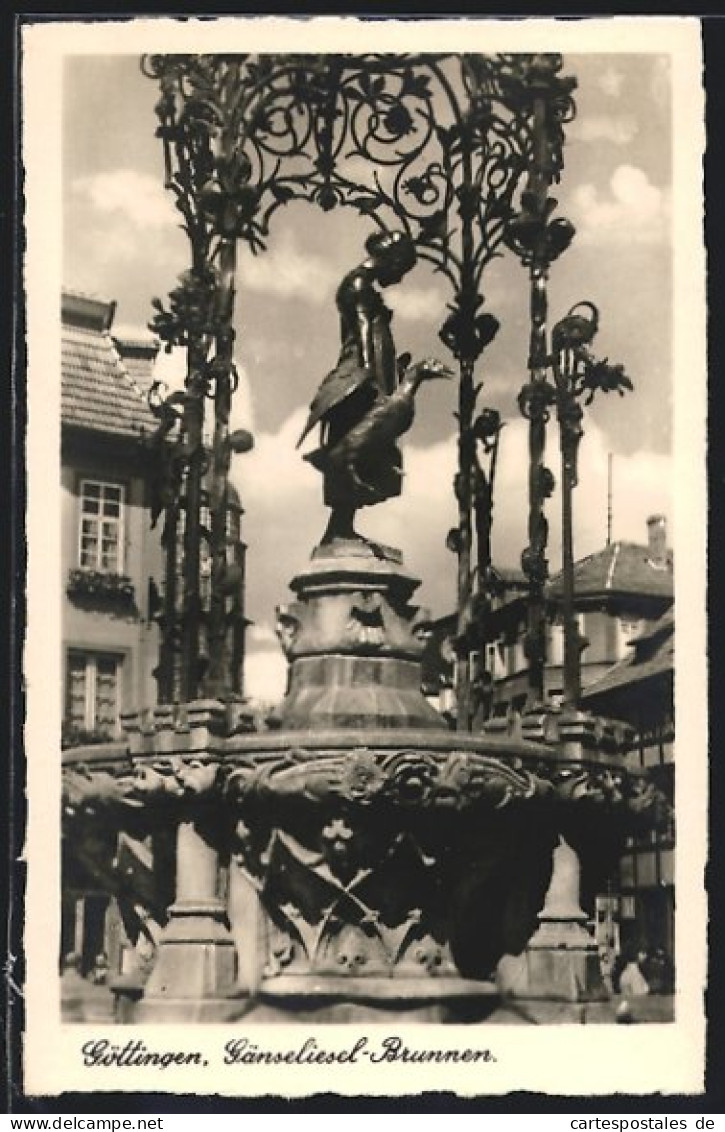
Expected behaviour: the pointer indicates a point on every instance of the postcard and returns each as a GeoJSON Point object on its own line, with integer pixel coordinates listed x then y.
{"type": "Point", "coordinates": [365, 474]}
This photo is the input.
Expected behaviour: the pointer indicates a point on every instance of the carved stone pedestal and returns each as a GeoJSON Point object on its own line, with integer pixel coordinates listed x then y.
{"type": "Point", "coordinates": [195, 970]}
{"type": "Point", "coordinates": [354, 642]}
{"type": "Point", "coordinates": [373, 865]}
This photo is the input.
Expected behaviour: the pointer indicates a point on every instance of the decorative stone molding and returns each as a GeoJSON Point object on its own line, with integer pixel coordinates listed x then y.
{"type": "Point", "coordinates": [450, 780]}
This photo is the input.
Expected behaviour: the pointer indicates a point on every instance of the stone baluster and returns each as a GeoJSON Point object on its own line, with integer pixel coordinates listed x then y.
{"type": "Point", "coordinates": [194, 974]}
{"type": "Point", "coordinates": [561, 960]}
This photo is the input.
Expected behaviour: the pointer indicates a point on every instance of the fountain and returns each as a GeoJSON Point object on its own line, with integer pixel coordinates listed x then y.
{"type": "Point", "coordinates": [357, 860]}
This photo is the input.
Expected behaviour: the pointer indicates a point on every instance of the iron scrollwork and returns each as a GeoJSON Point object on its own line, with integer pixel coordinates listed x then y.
{"type": "Point", "coordinates": [577, 377]}
{"type": "Point", "coordinates": [435, 145]}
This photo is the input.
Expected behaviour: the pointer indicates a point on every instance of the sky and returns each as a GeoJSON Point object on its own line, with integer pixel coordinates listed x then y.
{"type": "Point", "coordinates": [122, 241]}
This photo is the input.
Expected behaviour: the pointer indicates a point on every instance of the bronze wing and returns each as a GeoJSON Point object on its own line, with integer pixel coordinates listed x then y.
{"type": "Point", "coordinates": [339, 384]}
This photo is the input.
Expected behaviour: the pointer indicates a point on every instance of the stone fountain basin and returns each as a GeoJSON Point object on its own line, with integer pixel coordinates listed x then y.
{"type": "Point", "coordinates": [158, 744]}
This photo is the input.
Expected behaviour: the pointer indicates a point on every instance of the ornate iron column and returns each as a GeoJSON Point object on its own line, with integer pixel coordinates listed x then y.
{"type": "Point", "coordinates": [486, 430]}
{"type": "Point", "coordinates": [208, 180]}
{"type": "Point", "coordinates": [538, 241]}
{"type": "Point", "coordinates": [577, 376]}
{"type": "Point", "coordinates": [559, 374]}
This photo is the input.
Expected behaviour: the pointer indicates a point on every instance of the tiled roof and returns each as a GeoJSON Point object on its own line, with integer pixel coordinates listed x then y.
{"type": "Point", "coordinates": [653, 654]}
{"type": "Point", "coordinates": [97, 391]}
{"type": "Point", "coordinates": [621, 568]}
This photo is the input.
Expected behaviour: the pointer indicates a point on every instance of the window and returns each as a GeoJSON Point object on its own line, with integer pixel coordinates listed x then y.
{"type": "Point", "coordinates": [495, 661]}
{"type": "Point", "coordinates": [92, 692]}
{"type": "Point", "coordinates": [556, 643]}
{"type": "Point", "coordinates": [515, 657]}
{"type": "Point", "coordinates": [628, 628]}
{"type": "Point", "coordinates": [626, 872]}
{"type": "Point", "coordinates": [101, 526]}
{"type": "Point", "coordinates": [646, 870]}
{"type": "Point", "coordinates": [628, 907]}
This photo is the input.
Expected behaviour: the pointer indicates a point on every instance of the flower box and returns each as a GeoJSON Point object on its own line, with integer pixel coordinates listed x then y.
{"type": "Point", "coordinates": [102, 587]}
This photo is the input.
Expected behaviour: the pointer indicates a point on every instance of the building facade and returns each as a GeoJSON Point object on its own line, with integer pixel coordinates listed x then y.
{"type": "Point", "coordinates": [114, 570]}
{"type": "Point", "coordinates": [109, 553]}
{"type": "Point", "coordinates": [618, 591]}
{"type": "Point", "coordinates": [640, 691]}
{"type": "Point", "coordinates": [108, 549]}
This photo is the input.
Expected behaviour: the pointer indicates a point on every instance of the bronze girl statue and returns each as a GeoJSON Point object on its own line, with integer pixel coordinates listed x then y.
{"type": "Point", "coordinates": [366, 402]}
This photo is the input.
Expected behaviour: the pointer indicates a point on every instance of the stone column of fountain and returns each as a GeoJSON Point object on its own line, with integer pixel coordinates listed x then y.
{"type": "Point", "coordinates": [178, 760]}
{"type": "Point", "coordinates": [561, 962]}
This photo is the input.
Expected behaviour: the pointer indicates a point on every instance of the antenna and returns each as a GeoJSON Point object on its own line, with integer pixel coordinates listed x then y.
{"type": "Point", "coordinates": [610, 460]}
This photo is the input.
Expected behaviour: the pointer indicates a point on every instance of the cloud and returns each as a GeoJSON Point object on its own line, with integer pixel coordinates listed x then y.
{"type": "Point", "coordinates": [123, 238]}
{"type": "Point", "coordinates": [282, 497]}
{"type": "Point", "coordinates": [287, 271]}
{"type": "Point", "coordinates": [265, 666]}
{"type": "Point", "coordinates": [610, 82]}
{"type": "Point", "coordinates": [269, 349]}
{"type": "Point", "coordinates": [138, 197]}
{"type": "Point", "coordinates": [620, 129]}
{"type": "Point", "coordinates": [633, 212]}
{"type": "Point", "coordinates": [284, 519]}
{"type": "Point", "coordinates": [261, 636]}
{"type": "Point", "coordinates": [412, 304]}
{"type": "Point", "coordinates": [170, 370]}
{"type": "Point", "coordinates": [265, 675]}
{"type": "Point", "coordinates": [284, 270]}
{"type": "Point", "coordinates": [650, 471]}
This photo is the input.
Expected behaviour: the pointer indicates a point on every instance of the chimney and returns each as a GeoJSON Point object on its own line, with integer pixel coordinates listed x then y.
{"type": "Point", "coordinates": [657, 541]}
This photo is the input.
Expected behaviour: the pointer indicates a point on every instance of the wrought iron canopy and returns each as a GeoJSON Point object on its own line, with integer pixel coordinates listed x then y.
{"type": "Point", "coordinates": [457, 150]}
{"type": "Point", "coordinates": [435, 144]}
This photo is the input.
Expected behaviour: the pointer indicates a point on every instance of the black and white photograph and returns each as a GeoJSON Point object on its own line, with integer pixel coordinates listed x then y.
{"type": "Point", "coordinates": [366, 475]}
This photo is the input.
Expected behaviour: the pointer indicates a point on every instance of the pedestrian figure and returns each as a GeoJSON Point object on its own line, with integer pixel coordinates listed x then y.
{"type": "Point", "coordinates": [632, 983]}
{"type": "Point", "coordinates": [657, 971]}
